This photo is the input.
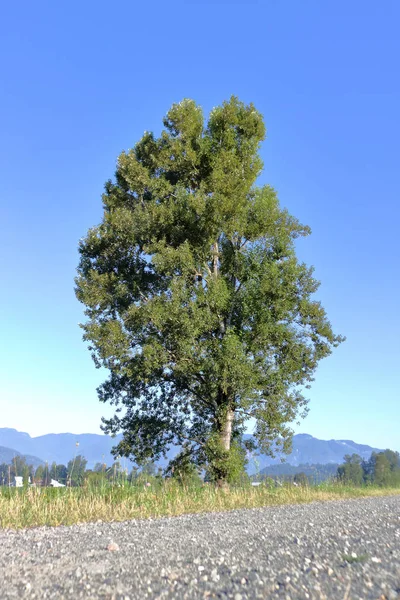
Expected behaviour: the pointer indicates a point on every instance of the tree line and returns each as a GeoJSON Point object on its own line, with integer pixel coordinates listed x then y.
{"type": "Point", "coordinates": [383, 469]}
{"type": "Point", "coordinates": [71, 474]}
{"type": "Point", "coordinates": [312, 473]}
{"type": "Point", "coordinates": [76, 474]}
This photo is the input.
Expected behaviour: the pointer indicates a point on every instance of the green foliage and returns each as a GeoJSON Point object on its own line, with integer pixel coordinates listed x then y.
{"type": "Point", "coordinates": [146, 472]}
{"type": "Point", "coordinates": [382, 472]}
{"type": "Point", "coordinates": [224, 465]}
{"type": "Point", "coordinates": [76, 469]}
{"type": "Point", "coordinates": [116, 473]}
{"type": "Point", "coordinates": [195, 300]}
{"type": "Point", "coordinates": [59, 473]}
{"type": "Point", "coordinates": [20, 468]}
{"type": "Point", "coordinates": [102, 475]}
{"type": "Point", "coordinates": [183, 468]}
{"type": "Point", "coordinates": [382, 469]}
{"type": "Point", "coordinates": [100, 467]}
{"type": "Point", "coordinates": [46, 475]}
{"type": "Point", "coordinates": [148, 468]}
{"type": "Point", "coordinates": [94, 479]}
{"type": "Point", "coordinates": [301, 478]}
{"type": "Point", "coordinates": [17, 467]}
{"type": "Point", "coordinates": [39, 473]}
{"type": "Point", "coordinates": [351, 471]}
{"type": "Point", "coordinates": [315, 473]}
{"type": "Point", "coordinates": [32, 507]}
{"type": "Point", "coordinates": [4, 474]}
{"type": "Point", "coordinates": [394, 460]}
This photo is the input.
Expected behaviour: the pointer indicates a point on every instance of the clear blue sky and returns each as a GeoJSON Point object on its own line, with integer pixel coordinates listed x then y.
{"type": "Point", "coordinates": [80, 81]}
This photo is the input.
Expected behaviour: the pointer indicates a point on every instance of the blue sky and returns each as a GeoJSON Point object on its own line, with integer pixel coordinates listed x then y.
{"type": "Point", "coordinates": [80, 81]}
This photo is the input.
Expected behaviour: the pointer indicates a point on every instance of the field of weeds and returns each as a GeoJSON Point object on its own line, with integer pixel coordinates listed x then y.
{"type": "Point", "coordinates": [34, 507]}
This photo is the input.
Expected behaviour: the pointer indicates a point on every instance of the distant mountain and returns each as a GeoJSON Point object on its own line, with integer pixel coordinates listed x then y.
{"type": "Point", "coordinates": [61, 447]}
{"type": "Point", "coordinates": [316, 473]}
{"type": "Point", "coordinates": [308, 450]}
{"type": "Point", "coordinates": [8, 454]}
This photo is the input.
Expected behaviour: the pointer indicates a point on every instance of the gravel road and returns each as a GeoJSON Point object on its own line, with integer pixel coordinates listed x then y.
{"type": "Point", "coordinates": [345, 549]}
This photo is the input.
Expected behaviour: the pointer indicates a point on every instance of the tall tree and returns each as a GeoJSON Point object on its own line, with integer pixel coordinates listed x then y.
{"type": "Point", "coordinates": [4, 474]}
{"type": "Point", "coordinates": [196, 302]}
{"type": "Point", "coordinates": [39, 473]}
{"type": "Point", "coordinates": [394, 459]}
{"type": "Point", "coordinates": [58, 472]}
{"type": "Point", "coordinates": [382, 471]}
{"type": "Point", "coordinates": [351, 471]}
{"type": "Point", "coordinates": [20, 468]}
{"type": "Point", "coordinates": [76, 469]}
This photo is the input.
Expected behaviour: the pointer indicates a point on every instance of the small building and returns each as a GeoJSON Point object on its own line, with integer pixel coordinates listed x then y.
{"type": "Point", "coordinates": [55, 483]}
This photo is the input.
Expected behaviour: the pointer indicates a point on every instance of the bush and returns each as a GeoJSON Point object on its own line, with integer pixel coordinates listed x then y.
{"type": "Point", "coordinates": [224, 465]}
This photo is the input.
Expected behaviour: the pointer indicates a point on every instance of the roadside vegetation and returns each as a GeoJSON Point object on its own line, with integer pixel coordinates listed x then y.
{"type": "Point", "coordinates": [112, 494]}
{"type": "Point", "coordinates": [37, 506]}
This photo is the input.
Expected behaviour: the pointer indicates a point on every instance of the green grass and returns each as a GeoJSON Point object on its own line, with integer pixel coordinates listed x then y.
{"type": "Point", "coordinates": [46, 506]}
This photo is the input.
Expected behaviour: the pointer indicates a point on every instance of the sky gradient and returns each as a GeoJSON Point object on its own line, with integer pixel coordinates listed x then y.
{"type": "Point", "coordinates": [80, 82]}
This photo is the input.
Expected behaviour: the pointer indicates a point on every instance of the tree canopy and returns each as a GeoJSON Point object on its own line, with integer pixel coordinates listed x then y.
{"type": "Point", "coordinates": [195, 300]}
{"type": "Point", "coordinates": [76, 469]}
{"type": "Point", "coordinates": [383, 469]}
{"type": "Point", "coordinates": [351, 471]}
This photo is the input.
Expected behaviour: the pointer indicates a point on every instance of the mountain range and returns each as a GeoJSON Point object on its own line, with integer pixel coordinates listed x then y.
{"type": "Point", "coordinates": [7, 455]}
{"type": "Point", "coordinates": [61, 447]}
{"type": "Point", "coordinates": [316, 473]}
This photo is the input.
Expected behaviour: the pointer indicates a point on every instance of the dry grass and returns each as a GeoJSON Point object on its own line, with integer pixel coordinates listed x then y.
{"type": "Point", "coordinates": [35, 506]}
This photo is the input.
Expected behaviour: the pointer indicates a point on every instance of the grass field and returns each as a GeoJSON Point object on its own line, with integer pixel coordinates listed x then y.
{"type": "Point", "coordinates": [46, 506]}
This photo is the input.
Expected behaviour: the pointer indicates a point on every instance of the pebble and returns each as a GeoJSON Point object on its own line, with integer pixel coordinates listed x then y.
{"type": "Point", "coordinates": [214, 575]}
{"type": "Point", "coordinates": [112, 547]}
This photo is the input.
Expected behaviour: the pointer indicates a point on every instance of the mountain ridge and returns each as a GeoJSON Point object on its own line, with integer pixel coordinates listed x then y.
{"type": "Point", "coordinates": [61, 447]}
{"type": "Point", "coordinates": [7, 455]}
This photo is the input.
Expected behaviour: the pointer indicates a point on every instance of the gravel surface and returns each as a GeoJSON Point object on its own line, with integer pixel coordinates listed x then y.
{"type": "Point", "coordinates": [345, 549]}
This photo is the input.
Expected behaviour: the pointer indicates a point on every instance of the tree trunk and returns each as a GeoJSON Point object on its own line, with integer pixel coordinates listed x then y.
{"type": "Point", "coordinates": [226, 435]}
{"type": "Point", "coordinates": [226, 432]}
{"type": "Point", "coordinates": [215, 253]}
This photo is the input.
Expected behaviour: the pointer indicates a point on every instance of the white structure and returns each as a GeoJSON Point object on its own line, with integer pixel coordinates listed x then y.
{"type": "Point", "coordinates": [18, 481]}
{"type": "Point", "coordinates": [55, 483]}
